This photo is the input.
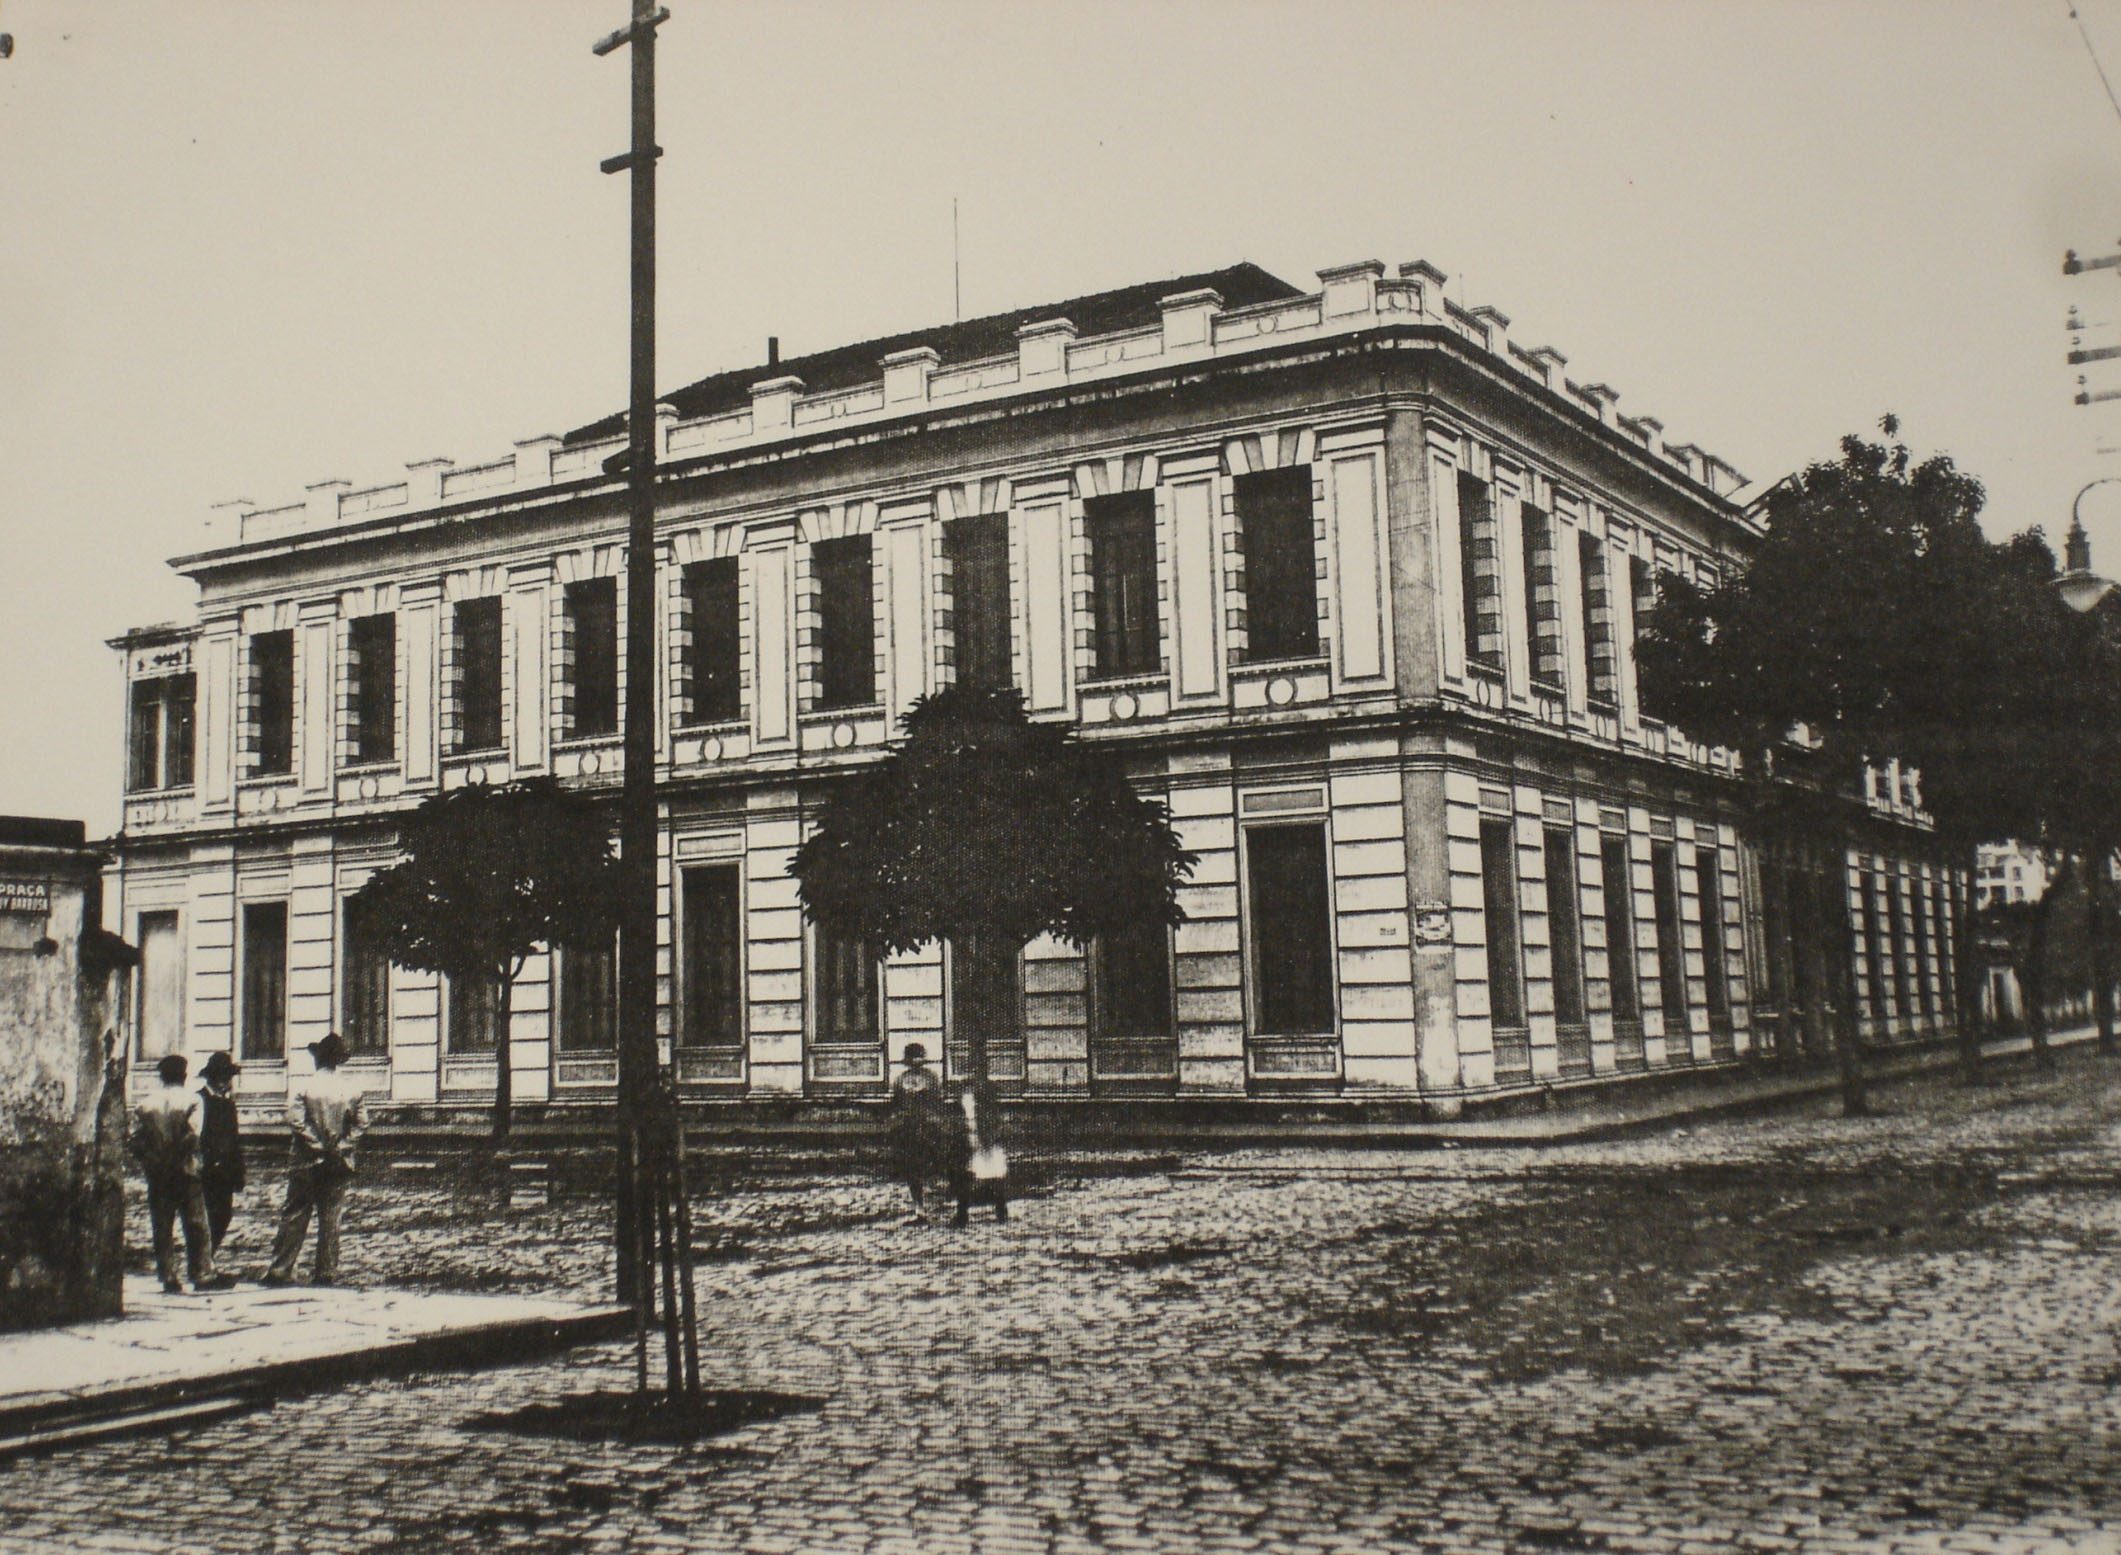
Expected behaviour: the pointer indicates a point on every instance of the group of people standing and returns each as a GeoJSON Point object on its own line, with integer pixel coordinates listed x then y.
{"type": "Point", "coordinates": [934, 1137]}
{"type": "Point", "coordinates": [189, 1146]}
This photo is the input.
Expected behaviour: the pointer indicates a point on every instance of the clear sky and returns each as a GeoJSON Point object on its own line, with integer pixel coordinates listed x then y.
{"type": "Point", "coordinates": [248, 247]}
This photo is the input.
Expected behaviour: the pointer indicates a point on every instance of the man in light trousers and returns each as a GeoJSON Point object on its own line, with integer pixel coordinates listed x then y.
{"type": "Point", "coordinates": [327, 1116]}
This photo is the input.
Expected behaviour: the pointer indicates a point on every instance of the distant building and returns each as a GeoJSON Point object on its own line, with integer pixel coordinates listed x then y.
{"type": "Point", "coordinates": [2008, 872]}
{"type": "Point", "coordinates": [1348, 574]}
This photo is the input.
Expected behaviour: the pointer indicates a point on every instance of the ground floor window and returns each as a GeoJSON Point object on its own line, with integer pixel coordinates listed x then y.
{"type": "Point", "coordinates": [1566, 926]}
{"type": "Point", "coordinates": [1713, 948]}
{"type": "Point", "coordinates": [1498, 889]}
{"type": "Point", "coordinates": [589, 997]}
{"type": "Point", "coordinates": [265, 980]}
{"type": "Point", "coordinates": [1131, 982]}
{"type": "Point", "coordinates": [846, 989]}
{"type": "Point", "coordinates": [1671, 947]}
{"type": "Point", "coordinates": [364, 1014]}
{"type": "Point", "coordinates": [1291, 930]}
{"type": "Point", "coordinates": [714, 962]}
{"type": "Point", "coordinates": [474, 1015]}
{"type": "Point", "coordinates": [161, 975]}
{"type": "Point", "coordinates": [1620, 929]}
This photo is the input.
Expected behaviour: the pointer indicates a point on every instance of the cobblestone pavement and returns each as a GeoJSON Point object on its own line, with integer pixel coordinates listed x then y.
{"type": "Point", "coordinates": [1795, 1333]}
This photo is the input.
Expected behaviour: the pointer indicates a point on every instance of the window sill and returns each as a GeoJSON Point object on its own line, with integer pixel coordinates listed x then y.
{"type": "Point", "coordinates": [381, 764]}
{"type": "Point", "coordinates": [1478, 669]}
{"type": "Point", "coordinates": [849, 710]}
{"type": "Point", "coordinates": [1306, 661]}
{"type": "Point", "coordinates": [736, 724]}
{"type": "Point", "coordinates": [1126, 682]}
{"type": "Point", "coordinates": [476, 753]}
{"type": "Point", "coordinates": [267, 780]}
{"type": "Point", "coordinates": [589, 741]}
{"type": "Point", "coordinates": [184, 792]}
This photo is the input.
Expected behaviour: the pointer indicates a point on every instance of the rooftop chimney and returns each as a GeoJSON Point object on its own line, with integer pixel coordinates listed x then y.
{"type": "Point", "coordinates": [773, 350]}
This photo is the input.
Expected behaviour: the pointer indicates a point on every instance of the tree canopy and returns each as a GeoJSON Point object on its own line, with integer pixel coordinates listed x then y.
{"type": "Point", "coordinates": [984, 827]}
{"type": "Point", "coordinates": [486, 876]}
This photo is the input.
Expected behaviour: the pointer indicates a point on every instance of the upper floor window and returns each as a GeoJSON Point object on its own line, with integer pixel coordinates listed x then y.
{"type": "Point", "coordinates": [1281, 564]}
{"type": "Point", "coordinates": [978, 547]}
{"type": "Point", "coordinates": [1599, 660]}
{"type": "Point", "coordinates": [372, 652]}
{"type": "Point", "coordinates": [846, 669]}
{"type": "Point", "coordinates": [1642, 588]}
{"type": "Point", "coordinates": [478, 642]}
{"type": "Point", "coordinates": [714, 656]}
{"type": "Point", "coordinates": [1542, 597]}
{"type": "Point", "coordinates": [593, 632]}
{"type": "Point", "coordinates": [1479, 571]}
{"type": "Point", "coordinates": [1123, 582]}
{"type": "Point", "coordinates": [272, 701]}
{"type": "Point", "coordinates": [162, 732]}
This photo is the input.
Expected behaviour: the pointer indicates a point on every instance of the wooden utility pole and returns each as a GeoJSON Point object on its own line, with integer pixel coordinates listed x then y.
{"type": "Point", "coordinates": [637, 807]}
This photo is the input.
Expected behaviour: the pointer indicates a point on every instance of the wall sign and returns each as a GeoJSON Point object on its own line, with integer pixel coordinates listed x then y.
{"type": "Point", "coordinates": [1432, 923]}
{"type": "Point", "coordinates": [25, 896]}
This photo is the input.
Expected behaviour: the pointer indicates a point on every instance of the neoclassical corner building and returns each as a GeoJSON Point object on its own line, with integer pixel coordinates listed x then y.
{"type": "Point", "coordinates": [1347, 574]}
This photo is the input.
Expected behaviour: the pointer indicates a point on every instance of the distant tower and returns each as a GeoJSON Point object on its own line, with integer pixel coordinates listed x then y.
{"type": "Point", "coordinates": [2077, 549]}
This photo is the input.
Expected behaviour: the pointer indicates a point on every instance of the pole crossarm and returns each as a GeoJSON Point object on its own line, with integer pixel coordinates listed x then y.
{"type": "Point", "coordinates": [630, 33]}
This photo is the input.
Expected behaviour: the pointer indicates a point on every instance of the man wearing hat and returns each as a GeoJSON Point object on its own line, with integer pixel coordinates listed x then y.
{"type": "Point", "coordinates": [919, 1122]}
{"type": "Point", "coordinates": [165, 1141]}
{"type": "Point", "coordinates": [327, 1115]}
{"type": "Point", "coordinates": [220, 1144]}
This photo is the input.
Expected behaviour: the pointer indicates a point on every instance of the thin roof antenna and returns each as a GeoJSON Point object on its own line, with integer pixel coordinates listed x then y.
{"type": "Point", "coordinates": [957, 268]}
{"type": "Point", "coordinates": [2094, 53]}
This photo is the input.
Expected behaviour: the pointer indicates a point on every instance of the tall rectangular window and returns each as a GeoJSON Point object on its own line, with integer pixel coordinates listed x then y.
{"type": "Point", "coordinates": [264, 1033]}
{"type": "Point", "coordinates": [1896, 923]}
{"type": "Point", "coordinates": [161, 977]}
{"type": "Point", "coordinates": [589, 997]}
{"type": "Point", "coordinates": [272, 699]}
{"type": "Point", "coordinates": [1671, 950]}
{"type": "Point", "coordinates": [714, 964]}
{"type": "Point", "coordinates": [1132, 982]}
{"type": "Point", "coordinates": [372, 647]}
{"type": "Point", "coordinates": [593, 630]}
{"type": "Point", "coordinates": [978, 547]}
{"type": "Point", "coordinates": [1620, 929]}
{"type": "Point", "coordinates": [714, 662]}
{"type": "Point", "coordinates": [846, 989]}
{"type": "Point", "coordinates": [1925, 990]}
{"type": "Point", "coordinates": [1601, 668]}
{"type": "Point", "coordinates": [479, 674]}
{"type": "Point", "coordinates": [474, 1015]}
{"type": "Point", "coordinates": [364, 1010]}
{"type": "Point", "coordinates": [161, 755]}
{"type": "Point", "coordinates": [1714, 951]}
{"type": "Point", "coordinates": [1498, 891]}
{"type": "Point", "coordinates": [1281, 564]}
{"type": "Point", "coordinates": [1542, 597]}
{"type": "Point", "coordinates": [846, 670]}
{"type": "Point", "coordinates": [1565, 921]}
{"type": "Point", "coordinates": [1881, 954]}
{"type": "Point", "coordinates": [1292, 930]}
{"type": "Point", "coordinates": [1642, 586]}
{"type": "Point", "coordinates": [1125, 621]}
{"type": "Point", "coordinates": [1480, 571]}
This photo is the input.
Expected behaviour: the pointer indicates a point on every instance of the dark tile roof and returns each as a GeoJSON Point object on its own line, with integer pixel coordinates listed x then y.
{"type": "Point", "coordinates": [847, 367]}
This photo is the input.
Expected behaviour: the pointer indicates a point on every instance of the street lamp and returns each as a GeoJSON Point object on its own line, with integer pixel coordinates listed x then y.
{"type": "Point", "coordinates": [2081, 588]}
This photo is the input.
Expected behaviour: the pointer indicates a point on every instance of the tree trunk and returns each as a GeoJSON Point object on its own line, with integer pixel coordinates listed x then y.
{"type": "Point", "coordinates": [2096, 889]}
{"type": "Point", "coordinates": [503, 1087]}
{"type": "Point", "coordinates": [1966, 971]}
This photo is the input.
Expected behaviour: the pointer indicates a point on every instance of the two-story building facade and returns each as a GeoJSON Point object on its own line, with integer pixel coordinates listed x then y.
{"type": "Point", "coordinates": [1348, 575]}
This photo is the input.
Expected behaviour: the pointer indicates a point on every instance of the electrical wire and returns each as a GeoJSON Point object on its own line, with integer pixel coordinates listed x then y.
{"type": "Point", "coordinates": [2094, 53]}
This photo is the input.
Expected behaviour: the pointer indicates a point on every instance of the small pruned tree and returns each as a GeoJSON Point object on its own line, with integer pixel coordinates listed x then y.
{"type": "Point", "coordinates": [487, 875]}
{"type": "Point", "coordinates": [987, 830]}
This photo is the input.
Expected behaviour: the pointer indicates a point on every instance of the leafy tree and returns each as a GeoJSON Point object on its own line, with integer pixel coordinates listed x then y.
{"type": "Point", "coordinates": [486, 876]}
{"type": "Point", "coordinates": [1875, 615]}
{"type": "Point", "coordinates": [987, 830]}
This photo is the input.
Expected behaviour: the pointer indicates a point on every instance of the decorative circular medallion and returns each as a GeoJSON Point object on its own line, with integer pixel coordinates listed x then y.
{"type": "Point", "coordinates": [842, 735]}
{"type": "Point", "coordinates": [370, 788]}
{"type": "Point", "coordinates": [1124, 706]}
{"type": "Point", "coordinates": [591, 764]}
{"type": "Point", "coordinates": [1281, 691]}
{"type": "Point", "coordinates": [711, 748]}
{"type": "Point", "coordinates": [474, 774]}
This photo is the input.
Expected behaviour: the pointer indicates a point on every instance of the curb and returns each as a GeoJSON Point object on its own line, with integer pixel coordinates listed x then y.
{"type": "Point", "coordinates": [51, 1422]}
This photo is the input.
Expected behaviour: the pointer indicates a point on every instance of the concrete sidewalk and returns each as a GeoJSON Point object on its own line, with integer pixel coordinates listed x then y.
{"type": "Point", "coordinates": [174, 1360]}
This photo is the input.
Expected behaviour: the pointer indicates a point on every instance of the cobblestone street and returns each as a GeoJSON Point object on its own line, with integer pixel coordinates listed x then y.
{"type": "Point", "coordinates": [1785, 1333]}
